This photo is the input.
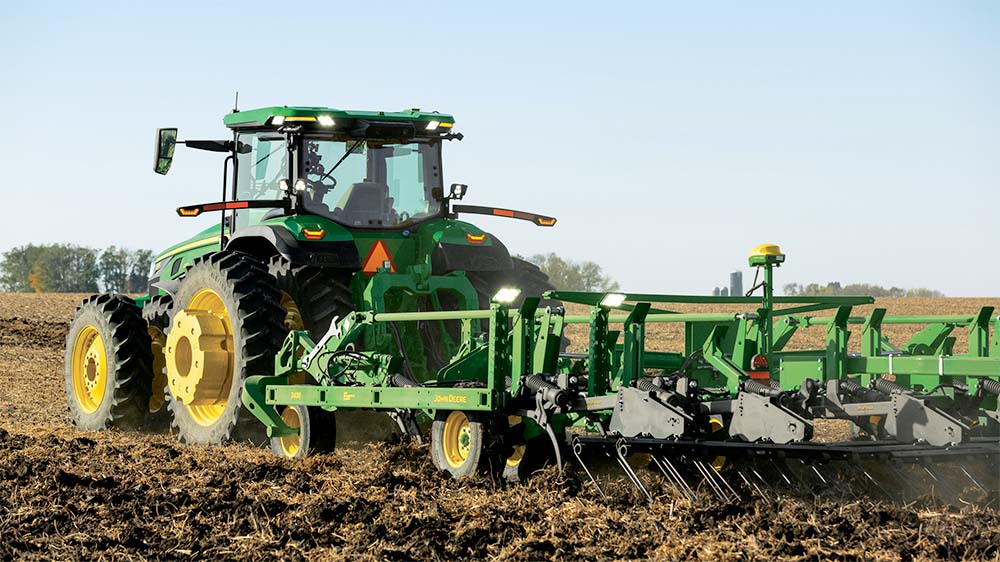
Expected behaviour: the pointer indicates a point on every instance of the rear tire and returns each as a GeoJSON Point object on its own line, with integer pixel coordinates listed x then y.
{"type": "Point", "coordinates": [108, 364]}
{"type": "Point", "coordinates": [156, 313]}
{"type": "Point", "coordinates": [241, 286]}
{"type": "Point", "coordinates": [319, 295]}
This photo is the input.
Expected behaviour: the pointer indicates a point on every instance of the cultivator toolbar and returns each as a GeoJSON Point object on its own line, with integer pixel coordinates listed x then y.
{"type": "Point", "coordinates": [732, 414]}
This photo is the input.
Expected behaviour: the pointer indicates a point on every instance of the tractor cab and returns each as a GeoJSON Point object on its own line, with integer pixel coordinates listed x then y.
{"type": "Point", "coordinates": [362, 170]}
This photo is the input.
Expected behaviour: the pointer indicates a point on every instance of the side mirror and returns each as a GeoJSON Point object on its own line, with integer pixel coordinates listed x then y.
{"type": "Point", "coordinates": [166, 140]}
{"type": "Point", "coordinates": [458, 191]}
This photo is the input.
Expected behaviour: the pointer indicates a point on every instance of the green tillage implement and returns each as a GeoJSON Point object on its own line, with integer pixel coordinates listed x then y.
{"type": "Point", "coordinates": [733, 392]}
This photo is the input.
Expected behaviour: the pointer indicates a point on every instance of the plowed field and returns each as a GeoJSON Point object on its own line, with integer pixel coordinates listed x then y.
{"type": "Point", "coordinates": [66, 495]}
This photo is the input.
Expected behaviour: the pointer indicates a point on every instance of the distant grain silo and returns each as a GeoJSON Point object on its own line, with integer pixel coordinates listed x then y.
{"type": "Point", "coordinates": [716, 292]}
{"type": "Point", "coordinates": [736, 283]}
{"type": "Point", "coordinates": [725, 292]}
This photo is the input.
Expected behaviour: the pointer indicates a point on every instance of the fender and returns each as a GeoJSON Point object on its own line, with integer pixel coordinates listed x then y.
{"type": "Point", "coordinates": [265, 241]}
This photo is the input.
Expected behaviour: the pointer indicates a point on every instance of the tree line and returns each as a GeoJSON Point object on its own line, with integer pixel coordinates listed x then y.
{"type": "Point", "coordinates": [855, 290]}
{"type": "Point", "coordinates": [68, 268]}
{"type": "Point", "coordinates": [569, 275]}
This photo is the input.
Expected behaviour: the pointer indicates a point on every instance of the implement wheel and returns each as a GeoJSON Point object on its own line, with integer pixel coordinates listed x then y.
{"type": "Point", "coordinates": [225, 325]}
{"type": "Point", "coordinates": [465, 443]}
{"type": "Point", "coordinates": [317, 432]}
{"type": "Point", "coordinates": [108, 364]}
{"type": "Point", "coordinates": [527, 456]}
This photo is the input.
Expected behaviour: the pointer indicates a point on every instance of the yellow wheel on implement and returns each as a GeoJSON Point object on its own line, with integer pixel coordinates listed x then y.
{"type": "Point", "coordinates": [317, 432]}
{"type": "Point", "coordinates": [225, 325]}
{"type": "Point", "coordinates": [108, 360]}
{"type": "Point", "coordinates": [464, 443]}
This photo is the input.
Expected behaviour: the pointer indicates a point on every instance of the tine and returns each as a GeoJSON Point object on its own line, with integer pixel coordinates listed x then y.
{"type": "Point", "coordinates": [674, 477]}
{"type": "Point", "coordinates": [753, 486]}
{"type": "Point", "coordinates": [871, 479]}
{"type": "Point", "coordinates": [946, 484]}
{"type": "Point", "coordinates": [577, 449]}
{"type": "Point", "coordinates": [620, 457]}
{"type": "Point", "coordinates": [708, 478]}
{"type": "Point", "coordinates": [721, 478]}
{"type": "Point", "coordinates": [974, 481]}
{"type": "Point", "coordinates": [755, 472]}
{"type": "Point", "coordinates": [818, 473]}
{"type": "Point", "coordinates": [802, 484]}
{"type": "Point", "coordinates": [782, 474]}
{"type": "Point", "coordinates": [907, 482]}
{"type": "Point", "coordinates": [680, 478]}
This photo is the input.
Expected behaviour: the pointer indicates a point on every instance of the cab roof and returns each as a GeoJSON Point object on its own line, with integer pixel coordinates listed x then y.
{"type": "Point", "coordinates": [264, 116]}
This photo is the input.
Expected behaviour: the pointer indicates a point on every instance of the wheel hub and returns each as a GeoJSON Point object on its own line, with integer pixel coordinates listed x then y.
{"type": "Point", "coordinates": [90, 369]}
{"type": "Point", "coordinates": [199, 358]}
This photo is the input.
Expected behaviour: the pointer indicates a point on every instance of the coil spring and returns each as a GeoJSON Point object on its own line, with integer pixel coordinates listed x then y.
{"type": "Point", "coordinates": [851, 387]}
{"type": "Point", "coordinates": [551, 392]}
{"type": "Point", "coordinates": [888, 387]}
{"type": "Point", "coordinates": [776, 385]}
{"type": "Point", "coordinates": [991, 386]}
{"type": "Point", "coordinates": [762, 389]}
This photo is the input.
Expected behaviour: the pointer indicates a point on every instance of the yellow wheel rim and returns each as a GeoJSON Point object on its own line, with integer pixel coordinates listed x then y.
{"type": "Point", "coordinates": [158, 340]}
{"type": "Point", "coordinates": [293, 317]}
{"type": "Point", "coordinates": [90, 369]}
{"type": "Point", "coordinates": [457, 439]}
{"type": "Point", "coordinates": [718, 463]}
{"type": "Point", "coordinates": [291, 444]}
{"type": "Point", "coordinates": [200, 357]}
{"type": "Point", "coordinates": [515, 458]}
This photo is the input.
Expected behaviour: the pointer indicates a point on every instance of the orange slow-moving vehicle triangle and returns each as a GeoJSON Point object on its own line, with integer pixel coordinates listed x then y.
{"type": "Point", "coordinates": [377, 258]}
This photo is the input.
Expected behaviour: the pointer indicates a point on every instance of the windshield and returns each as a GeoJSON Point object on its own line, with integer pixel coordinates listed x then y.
{"type": "Point", "coordinates": [260, 170]}
{"type": "Point", "coordinates": [375, 185]}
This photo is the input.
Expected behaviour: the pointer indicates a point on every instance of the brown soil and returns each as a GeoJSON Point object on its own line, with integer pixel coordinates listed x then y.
{"type": "Point", "coordinates": [66, 495]}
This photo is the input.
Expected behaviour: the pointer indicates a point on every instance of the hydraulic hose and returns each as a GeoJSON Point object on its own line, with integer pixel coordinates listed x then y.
{"type": "Point", "coordinates": [402, 381]}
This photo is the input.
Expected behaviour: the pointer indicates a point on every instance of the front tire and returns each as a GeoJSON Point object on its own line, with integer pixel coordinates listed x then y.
{"type": "Point", "coordinates": [225, 325]}
{"type": "Point", "coordinates": [108, 364]}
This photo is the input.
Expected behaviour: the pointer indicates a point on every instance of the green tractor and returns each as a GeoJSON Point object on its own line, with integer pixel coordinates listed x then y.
{"type": "Point", "coordinates": [323, 212]}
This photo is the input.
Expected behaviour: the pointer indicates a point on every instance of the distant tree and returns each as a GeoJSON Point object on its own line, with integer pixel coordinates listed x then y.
{"type": "Point", "coordinates": [67, 268]}
{"type": "Point", "coordinates": [114, 268]}
{"type": "Point", "coordinates": [141, 262]}
{"type": "Point", "coordinates": [570, 275]}
{"type": "Point", "coordinates": [855, 289]}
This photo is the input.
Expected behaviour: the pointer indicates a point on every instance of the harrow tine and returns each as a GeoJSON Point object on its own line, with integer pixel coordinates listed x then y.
{"type": "Point", "coordinates": [708, 478]}
{"type": "Point", "coordinates": [621, 450]}
{"type": "Point", "coordinates": [945, 485]}
{"type": "Point", "coordinates": [800, 480]}
{"type": "Point", "coordinates": [891, 496]}
{"type": "Point", "coordinates": [755, 472]}
{"type": "Point", "coordinates": [718, 474]}
{"type": "Point", "coordinates": [753, 486]}
{"type": "Point", "coordinates": [781, 473]}
{"type": "Point", "coordinates": [577, 449]}
{"type": "Point", "coordinates": [972, 478]}
{"type": "Point", "coordinates": [819, 474]}
{"type": "Point", "coordinates": [674, 477]}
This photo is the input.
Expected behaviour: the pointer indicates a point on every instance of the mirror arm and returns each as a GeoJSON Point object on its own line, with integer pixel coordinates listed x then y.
{"type": "Point", "coordinates": [540, 220]}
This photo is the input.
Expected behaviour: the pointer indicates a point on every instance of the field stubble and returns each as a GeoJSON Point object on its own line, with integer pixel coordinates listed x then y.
{"type": "Point", "coordinates": [66, 495]}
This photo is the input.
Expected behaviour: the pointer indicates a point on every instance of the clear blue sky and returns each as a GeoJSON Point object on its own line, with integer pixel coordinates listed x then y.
{"type": "Point", "coordinates": [669, 138]}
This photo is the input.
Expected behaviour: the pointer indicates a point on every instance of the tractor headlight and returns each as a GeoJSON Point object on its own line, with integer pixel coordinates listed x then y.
{"type": "Point", "coordinates": [612, 300]}
{"type": "Point", "coordinates": [278, 120]}
{"type": "Point", "coordinates": [325, 120]}
{"type": "Point", "coordinates": [433, 125]}
{"type": "Point", "coordinates": [506, 295]}
{"type": "Point", "coordinates": [300, 185]}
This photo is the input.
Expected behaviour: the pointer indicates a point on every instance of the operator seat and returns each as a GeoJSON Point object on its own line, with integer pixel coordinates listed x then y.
{"type": "Point", "coordinates": [368, 204]}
